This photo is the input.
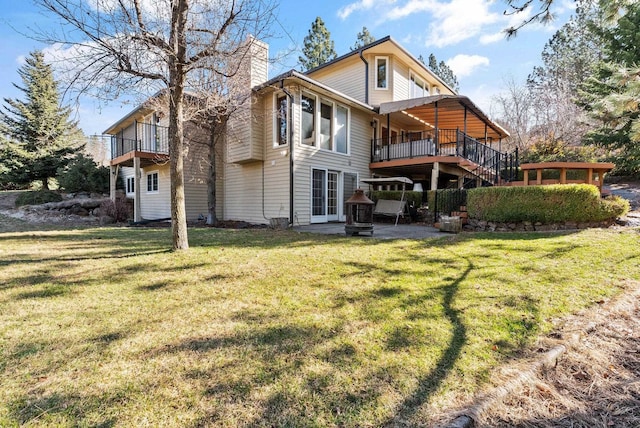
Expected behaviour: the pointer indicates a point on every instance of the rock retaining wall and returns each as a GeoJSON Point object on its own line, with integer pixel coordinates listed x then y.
{"type": "Point", "coordinates": [527, 226]}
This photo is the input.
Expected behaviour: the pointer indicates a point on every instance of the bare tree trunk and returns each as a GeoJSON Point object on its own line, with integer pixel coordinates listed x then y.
{"type": "Point", "coordinates": [178, 42]}
{"type": "Point", "coordinates": [211, 181]}
{"type": "Point", "coordinates": [45, 183]}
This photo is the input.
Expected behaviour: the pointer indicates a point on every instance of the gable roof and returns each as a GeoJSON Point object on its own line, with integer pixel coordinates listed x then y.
{"type": "Point", "coordinates": [308, 81]}
{"type": "Point", "coordinates": [373, 45]}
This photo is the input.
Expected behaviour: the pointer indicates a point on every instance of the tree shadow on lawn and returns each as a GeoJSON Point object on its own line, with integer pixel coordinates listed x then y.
{"type": "Point", "coordinates": [32, 409]}
{"type": "Point", "coordinates": [339, 405]}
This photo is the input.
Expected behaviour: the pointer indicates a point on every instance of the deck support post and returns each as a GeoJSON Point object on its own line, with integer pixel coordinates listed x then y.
{"type": "Point", "coordinates": [136, 198]}
{"type": "Point", "coordinates": [435, 174]}
{"type": "Point", "coordinates": [113, 179]}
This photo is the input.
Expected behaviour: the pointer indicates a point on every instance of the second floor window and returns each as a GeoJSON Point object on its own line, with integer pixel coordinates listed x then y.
{"type": "Point", "coordinates": [308, 119]}
{"type": "Point", "coordinates": [325, 124]}
{"type": "Point", "coordinates": [281, 122]}
{"type": "Point", "coordinates": [382, 72]}
{"type": "Point", "coordinates": [419, 89]}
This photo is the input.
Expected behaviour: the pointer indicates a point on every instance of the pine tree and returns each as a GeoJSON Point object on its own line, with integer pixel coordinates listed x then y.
{"type": "Point", "coordinates": [318, 46]}
{"type": "Point", "coordinates": [40, 135]}
{"type": "Point", "coordinates": [612, 94]}
{"type": "Point", "coordinates": [363, 38]}
{"type": "Point", "coordinates": [443, 71]}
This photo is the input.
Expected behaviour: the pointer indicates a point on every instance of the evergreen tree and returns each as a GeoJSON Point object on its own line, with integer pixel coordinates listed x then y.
{"type": "Point", "coordinates": [363, 39]}
{"type": "Point", "coordinates": [318, 46]}
{"type": "Point", "coordinates": [612, 94]}
{"type": "Point", "coordinates": [568, 57]}
{"type": "Point", "coordinates": [567, 61]}
{"type": "Point", "coordinates": [40, 136]}
{"type": "Point", "coordinates": [443, 71]}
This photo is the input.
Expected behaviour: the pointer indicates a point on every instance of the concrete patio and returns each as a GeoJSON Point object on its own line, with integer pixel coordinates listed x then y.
{"type": "Point", "coordinates": [380, 230]}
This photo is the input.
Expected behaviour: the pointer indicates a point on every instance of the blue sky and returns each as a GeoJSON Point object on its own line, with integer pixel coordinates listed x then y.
{"type": "Point", "coordinates": [464, 33]}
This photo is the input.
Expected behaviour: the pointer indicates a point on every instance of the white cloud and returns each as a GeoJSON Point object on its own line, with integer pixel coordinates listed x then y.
{"type": "Point", "coordinates": [464, 65]}
{"type": "Point", "coordinates": [411, 7]}
{"type": "Point", "coordinates": [487, 39]}
{"type": "Point", "coordinates": [460, 20]}
{"type": "Point", "coordinates": [344, 12]}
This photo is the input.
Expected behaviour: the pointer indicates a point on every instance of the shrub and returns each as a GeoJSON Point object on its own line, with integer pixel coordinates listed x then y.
{"type": "Point", "coordinates": [545, 204]}
{"type": "Point", "coordinates": [118, 210]}
{"type": "Point", "coordinates": [37, 197]}
{"type": "Point", "coordinates": [82, 174]}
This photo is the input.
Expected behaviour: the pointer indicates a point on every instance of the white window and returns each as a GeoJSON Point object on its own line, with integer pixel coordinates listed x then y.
{"type": "Point", "coordinates": [326, 125]}
{"type": "Point", "coordinates": [342, 129]}
{"type": "Point", "coordinates": [131, 185]}
{"type": "Point", "coordinates": [329, 123]}
{"type": "Point", "coordinates": [281, 120]}
{"type": "Point", "coordinates": [418, 87]}
{"type": "Point", "coordinates": [436, 90]}
{"type": "Point", "coordinates": [382, 72]}
{"type": "Point", "coordinates": [152, 182]}
{"type": "Point", "coordinates": [308, 119]}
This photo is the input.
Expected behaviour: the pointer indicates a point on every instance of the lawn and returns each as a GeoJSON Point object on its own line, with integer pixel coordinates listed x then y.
{"type": "Point", "coordinates": [105, 327]}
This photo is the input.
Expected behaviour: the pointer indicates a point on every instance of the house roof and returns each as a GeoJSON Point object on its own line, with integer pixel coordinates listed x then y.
{"type": "Point", "coordinates": [306, 80]}
{"type": "Point", "coordinates": [450, 114]}
{"type": "Point", "coordinates": [372, 46]}
{"type": "Point", "coordinates": [139, 111]}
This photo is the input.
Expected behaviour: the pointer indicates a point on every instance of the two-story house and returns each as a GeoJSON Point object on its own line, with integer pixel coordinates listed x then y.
{"type": "Point", "coordinates": [306, 140]}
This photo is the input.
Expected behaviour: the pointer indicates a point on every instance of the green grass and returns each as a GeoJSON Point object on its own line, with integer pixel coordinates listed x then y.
{"type": "Point", "coordinates": [104, 327]}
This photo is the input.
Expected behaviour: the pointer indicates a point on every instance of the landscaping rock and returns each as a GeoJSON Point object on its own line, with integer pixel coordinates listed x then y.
{"type": "Point", "coordinates": [105, 220]}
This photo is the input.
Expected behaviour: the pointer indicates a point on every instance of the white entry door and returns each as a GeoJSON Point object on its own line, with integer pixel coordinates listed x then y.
{"type": "Point", "coordinates": [325, 196]}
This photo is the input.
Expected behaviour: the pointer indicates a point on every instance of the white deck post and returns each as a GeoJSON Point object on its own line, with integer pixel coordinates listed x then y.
{"type": "Point", "coordinates": [136, 198]}
{"type": "Point", "coordinates": [113, 179]}
{"type": "Point", "coordinates": [435, 173]}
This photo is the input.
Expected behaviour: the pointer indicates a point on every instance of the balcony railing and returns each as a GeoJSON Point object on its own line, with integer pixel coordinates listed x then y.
{"type": "Point", "coordinates": [148, 138]}
{"type": "Point", "coordinates": [488, 163]}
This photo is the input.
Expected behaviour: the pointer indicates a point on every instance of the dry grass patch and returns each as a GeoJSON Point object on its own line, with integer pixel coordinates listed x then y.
{"type": "Point", "coordinates": [104, 327]}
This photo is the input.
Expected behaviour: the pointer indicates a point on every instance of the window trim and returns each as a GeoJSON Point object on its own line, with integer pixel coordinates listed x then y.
{"type": "Point", "coordinates": [131, 179]}
{"type": "Point", "coordinates": [150, 174]}
{"type": "Point", "coordinates": [314, 141]}
{"type": "Point", "coordinates": [386, 78]}
{"type": "Point", "coordinates": [426, 89]}
{"type": "Point", "coordinates": [276, 120]}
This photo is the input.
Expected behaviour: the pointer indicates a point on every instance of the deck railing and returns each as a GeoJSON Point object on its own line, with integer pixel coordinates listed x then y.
{"type": "Point", "coordinates": [148, 138]}
{"type": "Point", "coordinates": [488, 163]}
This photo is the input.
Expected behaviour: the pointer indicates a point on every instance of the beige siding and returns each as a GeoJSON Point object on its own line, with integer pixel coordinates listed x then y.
{"type": "Point", "coordinates": [243, 192]}
{"type": "Point", "coordinates": [244, 183]}
{"type": "Point", "coordinates": [349, 79]}
{"type": "Point", "coordinates": [379, 96]}
{"type": "Point", "coordinates": [245, 127]}
{"type": "Point", "coordinates": [196, 171]}
{"type": "Point", "coordinates": [156, 205]}
{"type": "Point", "coordinates": [400, 80]}
{"type": "Point", "coordinates": [306, 158]}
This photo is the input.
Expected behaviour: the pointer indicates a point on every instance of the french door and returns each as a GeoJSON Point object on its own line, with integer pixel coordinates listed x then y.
{"type": "Point", "coordinates": [329, 190]}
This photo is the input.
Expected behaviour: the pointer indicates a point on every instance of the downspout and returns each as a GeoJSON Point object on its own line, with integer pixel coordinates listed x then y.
{"type": "Point", "coordinates": [291, 174]}
{"type": "Point", "coordinates": [366, 78]}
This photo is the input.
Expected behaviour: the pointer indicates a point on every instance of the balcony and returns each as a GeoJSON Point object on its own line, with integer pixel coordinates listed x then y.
{"type": "Point", "coordinates": [446, 146]}
{"type": "Point", "coordinates": [150, 143]}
